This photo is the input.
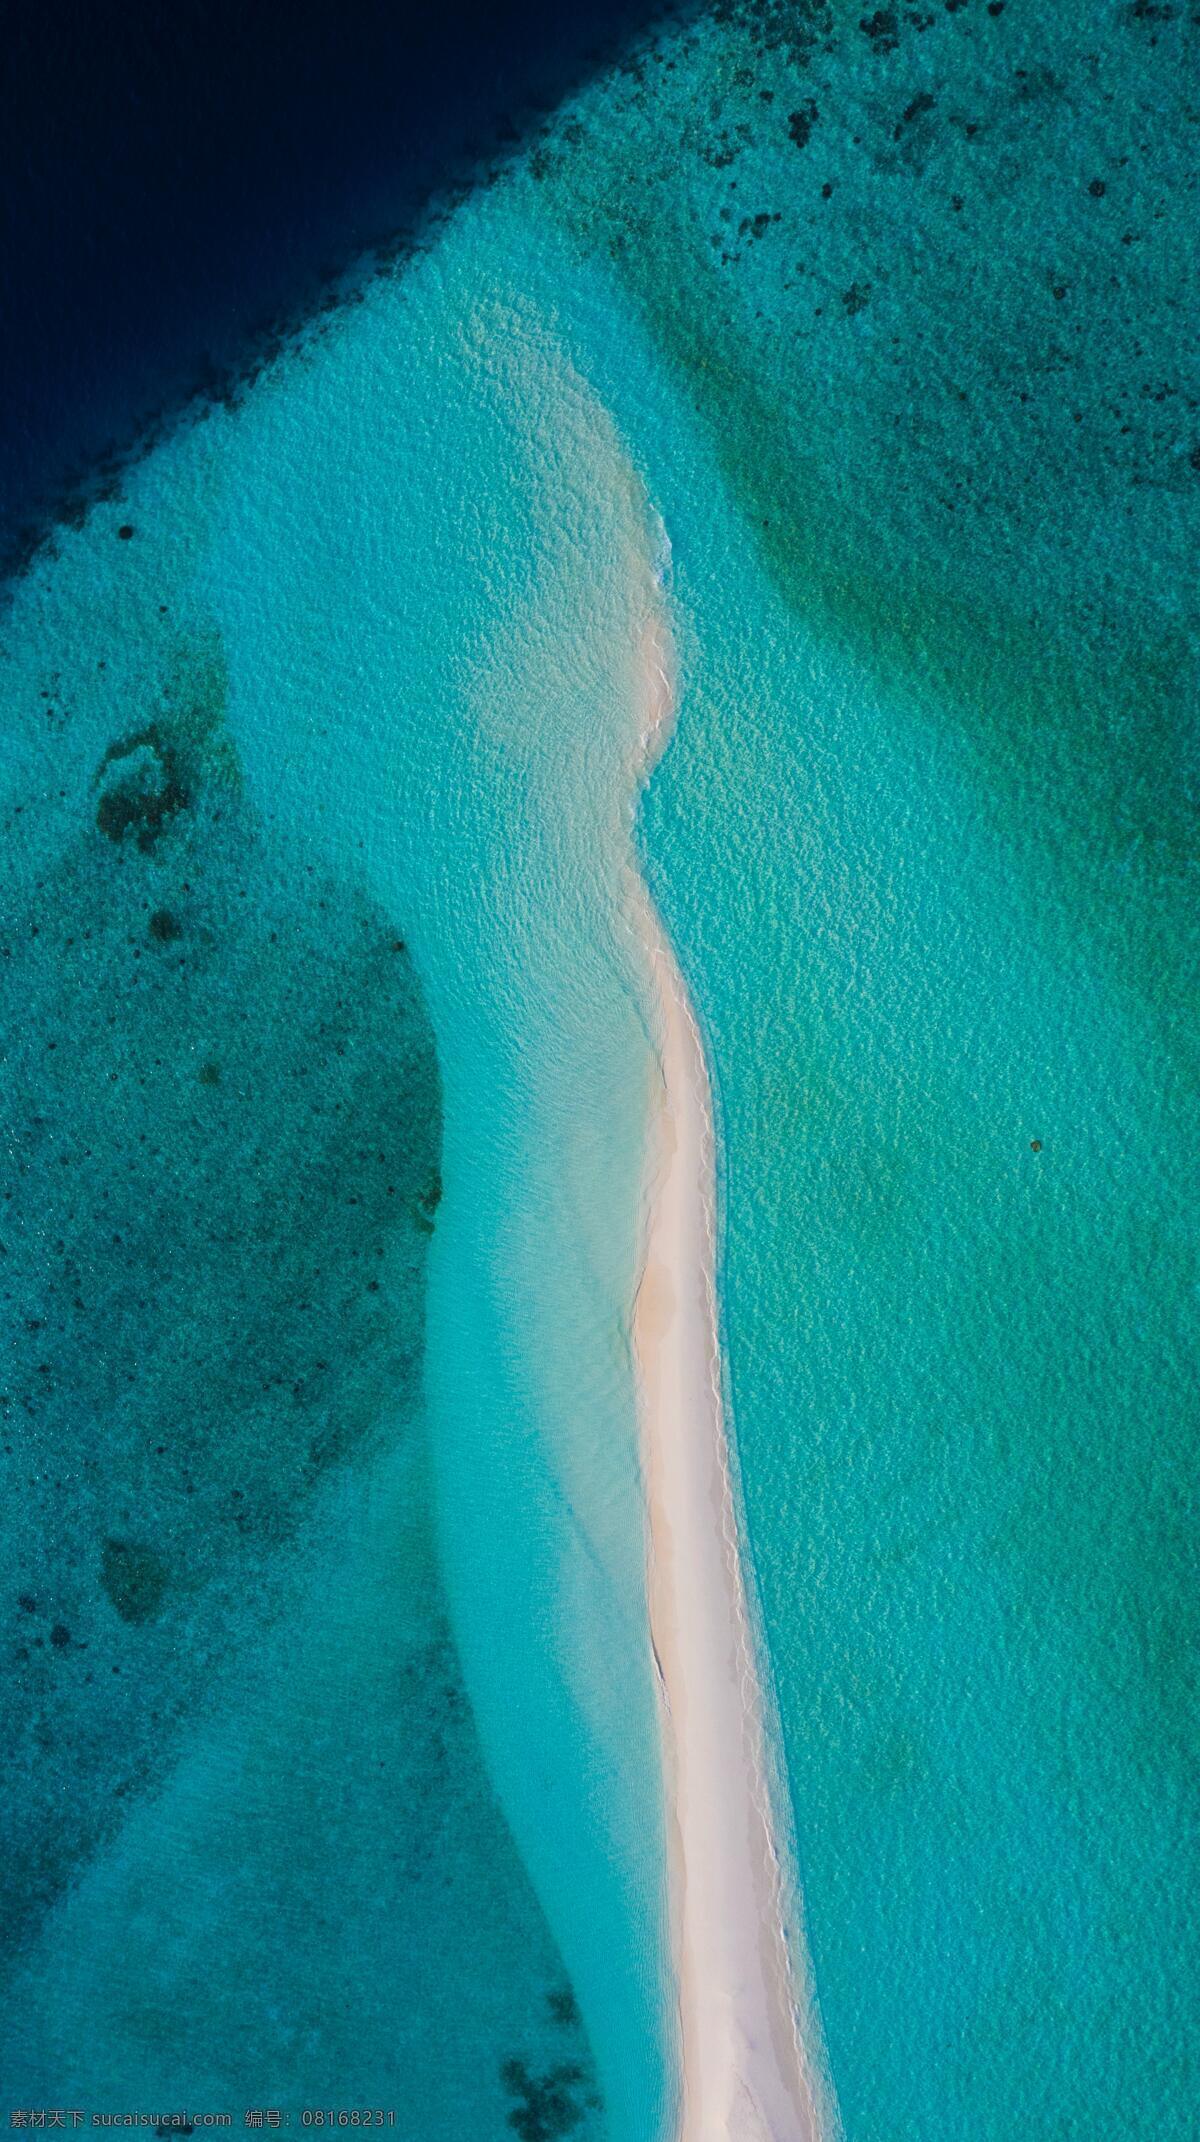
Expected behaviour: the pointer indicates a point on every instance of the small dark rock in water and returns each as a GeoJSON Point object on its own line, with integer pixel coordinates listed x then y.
{"type": "Point", "coordinates": [210, 1074]}
{"type": "Point", "coordinates": [135, 1579]}
{"type": "Point", "coordinates": [60, 1636]}
{"type": "Point", "coordinates": [125, 531]}
{"type": "Point", "coordinates": [164, 926]}
{"type": "Point", "coordinates": [856, 297]}
{"type": "Point", "coordinates": [563, 2006]}
{"type": "Point", "coordinates": [27, 1602]}
{"type": "Point", "coordinates": [1035, 1145]}
{"type": "Point", "coordinates": [802, 122]}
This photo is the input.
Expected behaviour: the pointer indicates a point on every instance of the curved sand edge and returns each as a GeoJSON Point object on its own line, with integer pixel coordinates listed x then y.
{"type": "Point", "coordinates": [745, 2074]}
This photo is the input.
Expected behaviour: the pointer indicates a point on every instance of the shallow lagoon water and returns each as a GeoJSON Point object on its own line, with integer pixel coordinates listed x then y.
{"type": "Point", "coordinates": [428, 733]}
{"type": "Point", "coordinates": [924, 842]}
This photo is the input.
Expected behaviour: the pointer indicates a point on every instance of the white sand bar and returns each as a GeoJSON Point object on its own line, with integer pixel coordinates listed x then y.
{"type": "Point", "coordinates": [744, 2070]}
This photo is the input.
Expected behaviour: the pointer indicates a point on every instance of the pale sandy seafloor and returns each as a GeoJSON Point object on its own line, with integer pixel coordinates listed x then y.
{"type": "Point", "coordinates": [747, 2074]}
{"type": "Point", "coordinates": [884, 311]}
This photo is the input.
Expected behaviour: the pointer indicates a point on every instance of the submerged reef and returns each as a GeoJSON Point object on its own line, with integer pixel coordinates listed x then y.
{"type": "Point", "coordinates": [222, 1126]}
{"type": "Point", "coordinates": [226, 1666]}
{"type": "Point", "coordinates": [894, 307]}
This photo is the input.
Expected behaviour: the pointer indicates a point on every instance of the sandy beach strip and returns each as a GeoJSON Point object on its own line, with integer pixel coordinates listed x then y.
{"type": "Point", "coordinates": [745, 2074]}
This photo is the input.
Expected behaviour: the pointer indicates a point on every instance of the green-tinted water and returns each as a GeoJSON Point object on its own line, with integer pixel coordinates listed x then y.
{"type": "Point", "coordinates": [324, 1085]}
{"type": "Point", "coordinates": [886, 315]}
{"type": "Point", "coordinates": [923, 283]}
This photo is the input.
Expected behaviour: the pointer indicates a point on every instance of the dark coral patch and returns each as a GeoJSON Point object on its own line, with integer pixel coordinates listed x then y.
{"type": "Point", "coordinates": [548, 2105]}
{"type": "Point", "coordinates": [135, 1579]}
{"type": "Point", "coordinates": [882, 28]}
{"type": "Point", "coordinates": [921, 104]}
{"type": "Point", "coordinates": [425, 1205]}
{"type": "Point", "coordinates": [149, 795]}
{"type": "Point", "coordinates": [802, 121]}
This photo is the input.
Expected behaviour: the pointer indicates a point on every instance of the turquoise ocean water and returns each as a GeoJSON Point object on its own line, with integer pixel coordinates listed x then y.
{"type": "Point", "coordinates": [326, 1083]}
{"type": "Point", "coordinates": [366, 662]}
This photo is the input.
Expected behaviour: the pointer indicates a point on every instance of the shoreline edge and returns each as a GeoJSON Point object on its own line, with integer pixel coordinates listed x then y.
{"type": "Point", "coordinates": [745, 2073]}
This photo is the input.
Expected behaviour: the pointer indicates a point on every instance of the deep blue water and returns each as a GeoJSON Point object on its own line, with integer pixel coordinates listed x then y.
{"type": "Point", "coordinates": [176, 183]}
